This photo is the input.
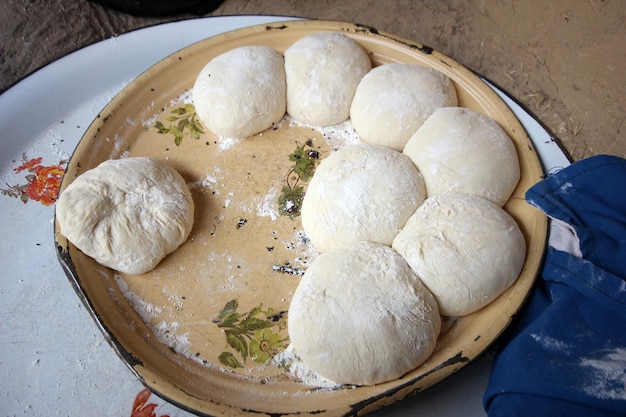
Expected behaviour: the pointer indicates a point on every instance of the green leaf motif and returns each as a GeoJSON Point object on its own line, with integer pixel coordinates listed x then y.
{"type": "Point", "coordinates": [305, 159]}
{"type": "Point", "coordinates": [254, 334]}
{"type": "Point", "coordinates": [186, 124]}
{"type": "Point", "coordinates": [229, 308]}
{"type": "Point", "coordinates": [252, 324]}
{"type": "Point", "coordinates": [228, 359]}
{"type": "Point", "coordinates": [290, 201]}
{"type": "Point", "coordinates": [265, 345]}
{"type": "Point", "coordinates": [237, 342]}
{"type": "Point", "coordinates": [254, 312]}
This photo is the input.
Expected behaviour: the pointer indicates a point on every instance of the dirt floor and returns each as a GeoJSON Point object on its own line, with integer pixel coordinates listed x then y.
{"type": "Point", "coordinates": [563, 60]}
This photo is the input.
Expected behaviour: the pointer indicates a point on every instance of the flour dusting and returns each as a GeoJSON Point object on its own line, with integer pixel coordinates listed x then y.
{"type": "Point", "coordinates": [607, 375]}
{"type": "Point", "coordinates": [205, 182]}
{"type": "Point", "coordinates": [186, 98]}
{"type": "Point", "coordinates": [288, 359]}
{"type": "Point", "coordinates": [565, 187]}
{"type": "Point", "coordinates": [224, 143]}
{"type": "Point", "coordinates": [550, 343]}
{"type": "Point", "coordinates": [337, 136]}
{"type": "Point", "coordinates": [149, 122]}
{"type": "Point", "coordinates": [146, 310]}
{"type": "Point", "coordinates": [266, 205]}
{"type": "Point", "coordinates": [302, 245]}
{"type": "Point", "coordinates": [167, 333]}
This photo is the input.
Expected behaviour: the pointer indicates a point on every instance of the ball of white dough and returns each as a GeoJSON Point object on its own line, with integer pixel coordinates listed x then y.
{"type": "Point", "coordinates": [322, 73]}
{"type": "Point", "coordinates": [360, 192]}
{"type": "Point", "coordinates": [127, 214]}
{"type": "Point", "coordinates": [466, 250]}
{"type": "Point", "coordinates": [392, 101]}
{"type": "Point", "coordinates": [361, 316]}
{"type": "Point", "coordinates": [241, 92]}
{"type": "Point", "coordinates": [461, 151]}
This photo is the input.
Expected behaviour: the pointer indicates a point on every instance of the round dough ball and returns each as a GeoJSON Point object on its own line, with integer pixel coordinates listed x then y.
{"type": "Point", "coordinates": [127, 214]}
{"type": "Point", "coordinates": [466, 250]}
{"type": "Point", "coordinates": [242, 91]}
{"type": "Point", "coordinates": [322, 72]}
{"type": "Point", "coordinates": [360, 192]}
{"type": "Point", "coordinates": [361, 316]}
{"type": "Point", "coordinates": [461, 151]}
{"type": "Point", "coordinates": [392, 101]}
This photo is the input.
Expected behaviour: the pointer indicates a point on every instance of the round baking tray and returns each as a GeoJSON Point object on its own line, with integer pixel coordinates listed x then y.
{"type": "Point", "coordinates": [245, 257]}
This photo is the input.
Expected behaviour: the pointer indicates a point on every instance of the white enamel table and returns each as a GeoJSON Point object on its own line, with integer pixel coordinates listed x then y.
{"type": "Point", "coordinates": [53, 358]}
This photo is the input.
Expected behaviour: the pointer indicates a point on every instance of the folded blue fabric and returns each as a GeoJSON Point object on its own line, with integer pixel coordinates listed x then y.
{"type": "Point", "coordinates": [565, 352]}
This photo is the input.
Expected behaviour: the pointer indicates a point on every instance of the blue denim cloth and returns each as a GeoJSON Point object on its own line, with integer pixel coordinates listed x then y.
{"type": "Point", "coordinates": [565, 352]}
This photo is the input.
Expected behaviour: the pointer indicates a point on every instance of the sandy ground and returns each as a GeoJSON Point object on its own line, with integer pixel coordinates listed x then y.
{"type": "Point", "coordinates": [563, 60]}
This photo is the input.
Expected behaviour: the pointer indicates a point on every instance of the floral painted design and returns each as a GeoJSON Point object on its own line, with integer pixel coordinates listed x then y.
{"type": "Point", "coordinates": [254, 334]}
{"type": "Point", "coordinates": [305, 160]}
{"type": "Point", "coordinates": [184, 122]}
{"type": "Point", "coordinates": [141, 409]}
{"type": "Point", "coordinates": [42, 182]}
{"type": "Point", "coordinates": [265, 345]}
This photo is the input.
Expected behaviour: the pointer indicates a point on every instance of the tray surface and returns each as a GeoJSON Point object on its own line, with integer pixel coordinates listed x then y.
{"type": "Point", "coordinates": [176, 326]}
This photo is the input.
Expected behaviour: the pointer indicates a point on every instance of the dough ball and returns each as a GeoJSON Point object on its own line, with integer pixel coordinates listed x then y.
{"type": "Point", "coordinates": [322, 72]}
{"type": "Point", "coordinates": [461, 151]}
{"type": "Point", "coordinates": [466, 250]}
{"type": "Point", "coordinates": [361, 316]}
{"type": "Point", "coordinates": [127, 214]}
{"type": "Point", "coordinates": [360, 192]}
{"type": "Point", "coordinates": [241, 92]}
{"type": "Point", "coordinates": [392, 101]}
